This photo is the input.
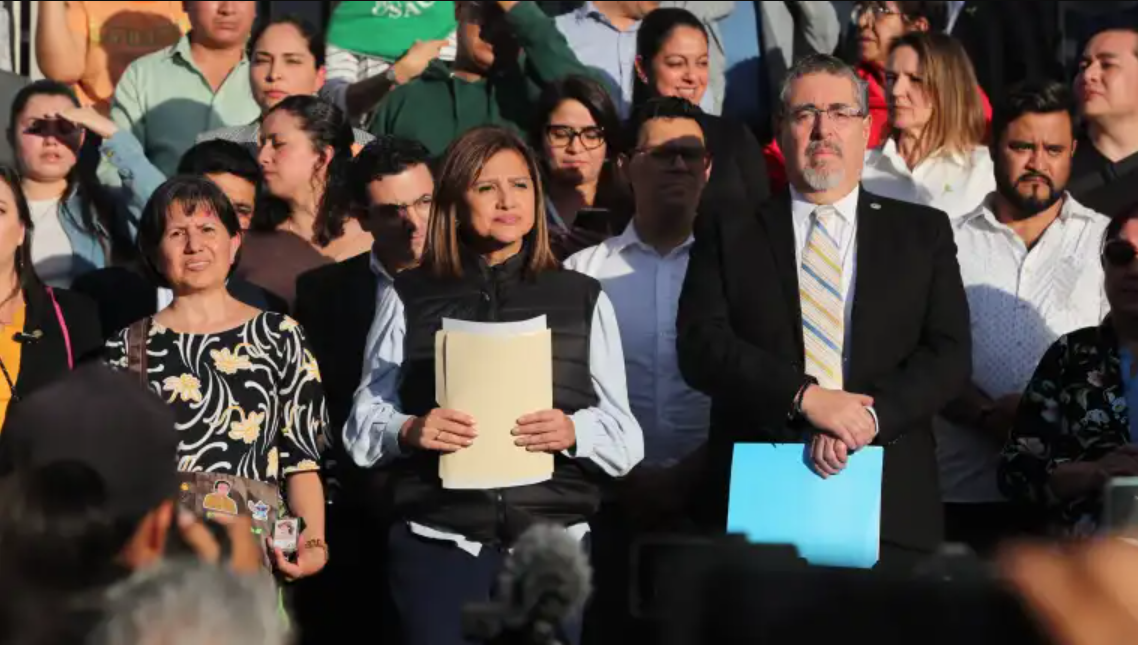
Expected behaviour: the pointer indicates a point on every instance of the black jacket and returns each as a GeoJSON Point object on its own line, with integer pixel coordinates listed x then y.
{"type": "Point", "coordinates": [909, 347]}
{"type": "Point", "coordinates": [44, 355]}
{"type": "Point", "coordinates": [505, 293]}
{"type": "Point", "coordinates": [124, 296]}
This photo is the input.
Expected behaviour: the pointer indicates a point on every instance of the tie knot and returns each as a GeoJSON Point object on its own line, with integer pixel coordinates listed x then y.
{"type": "Point", "coordinates": [825, 215]}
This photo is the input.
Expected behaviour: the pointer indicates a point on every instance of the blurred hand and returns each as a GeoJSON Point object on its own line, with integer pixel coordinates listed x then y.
{"type": "Point", "coordinates": [310, 561]}
{"type": "Point", "coordinates": [1122, 462]}
{"type": "Point", "coordinates": [440, 431]}
{"type": "Point", "coordinates": [1084, 595]}
{"type": "Point", "coordinates": [829, 455]}
{"type": "Point", "coordinates": [245, 554]}
{"type": "Point", "coordinates": [415, 61]}
{"type": "Point", "coordinates": [840, 414]}
{"type": "Point", "coordinates": [90, 119]}
{"type": "Point", "coordinates": [548, 431]}
{"type": "Point", "coordinates": [506, 5]}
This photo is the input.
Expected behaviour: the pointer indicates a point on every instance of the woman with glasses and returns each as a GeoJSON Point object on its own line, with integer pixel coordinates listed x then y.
{"type": "Point", "coordinates": [1077, 424]}
{"type": "Point", "coordinates": [672, 60]}
{"type": "Point", "coordinates": [934, 154]}
{"type": "Point", "coordinates": [487, 259]}
{"type": "Point", "coordinates": [579, 137]}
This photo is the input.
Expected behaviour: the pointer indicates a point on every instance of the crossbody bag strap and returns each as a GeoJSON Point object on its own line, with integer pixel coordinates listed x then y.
{"type": "Point", "coordinates": [136, 337]}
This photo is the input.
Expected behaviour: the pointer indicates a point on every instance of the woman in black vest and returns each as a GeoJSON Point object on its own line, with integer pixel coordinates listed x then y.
{"type": "Point", "coordinates": [487, 259]}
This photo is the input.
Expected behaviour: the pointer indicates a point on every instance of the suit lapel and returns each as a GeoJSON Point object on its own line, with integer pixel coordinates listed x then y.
{"type": "Point", "coordinates": [776, 217]}
{"type": "Point", "coordinates": [871, 279]}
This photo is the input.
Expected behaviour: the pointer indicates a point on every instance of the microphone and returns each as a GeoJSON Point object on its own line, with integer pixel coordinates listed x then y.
{"type": "Point", "coordinates": [545, 580]}
{"type": "Point", "coordinates": [22, 338]}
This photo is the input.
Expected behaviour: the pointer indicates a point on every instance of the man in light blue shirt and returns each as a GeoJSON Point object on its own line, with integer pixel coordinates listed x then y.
{"type": "Point", "coordinates": [603, 35]}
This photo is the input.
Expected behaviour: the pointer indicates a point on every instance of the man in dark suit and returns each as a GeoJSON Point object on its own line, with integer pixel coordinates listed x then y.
{"type": "Point", "coordinates": [392, 187]}
{"type": "Point", "coordinates": [831, 317]}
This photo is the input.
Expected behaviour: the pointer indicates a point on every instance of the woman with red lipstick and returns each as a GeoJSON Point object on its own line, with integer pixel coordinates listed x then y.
{"type": "Point", "coordinates": [286, 58]}
{"type": "Point", "coordinates": [579, 137]}
{"type": "Point", "coordinates": [487, 259]}
{"type": "Point", "coordinates": [672, 60]}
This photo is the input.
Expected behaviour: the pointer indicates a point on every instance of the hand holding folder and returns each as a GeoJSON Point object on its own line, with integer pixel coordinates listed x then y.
{"type": "Point", "coordinates": [496, 374]}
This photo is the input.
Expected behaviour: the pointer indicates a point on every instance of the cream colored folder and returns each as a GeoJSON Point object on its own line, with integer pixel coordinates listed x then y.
{"type": "Point", "coordinates": [496, 379]}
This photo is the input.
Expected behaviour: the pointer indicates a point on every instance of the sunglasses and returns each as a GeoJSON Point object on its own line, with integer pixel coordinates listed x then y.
{"type": "Point", "coordinates": [52, 128]}
{"type": "Point", "coordinates": [1118, 253]}
{"type": "Point", "coordinates": [696, 158]}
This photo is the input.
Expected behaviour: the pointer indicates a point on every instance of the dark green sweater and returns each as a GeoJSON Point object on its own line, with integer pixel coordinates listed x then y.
{"type": "Point", "coordinates": [436, 108]}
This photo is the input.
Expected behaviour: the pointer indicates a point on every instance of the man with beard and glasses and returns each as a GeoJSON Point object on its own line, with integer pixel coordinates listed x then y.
{"type": "Point", "coordinates": [1029, 262]}
{"type": "Point", "coordinates": [642, 271]}
{"type": "Point", "coordinates": [792, 348]}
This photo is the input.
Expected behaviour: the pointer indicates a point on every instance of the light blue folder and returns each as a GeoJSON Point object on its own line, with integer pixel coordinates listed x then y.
{"type": "Point", "coordinates": [776, 498]}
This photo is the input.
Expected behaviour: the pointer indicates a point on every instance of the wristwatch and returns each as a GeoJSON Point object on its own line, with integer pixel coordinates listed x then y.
{"type": "Point", "coordinates": [796, 412]}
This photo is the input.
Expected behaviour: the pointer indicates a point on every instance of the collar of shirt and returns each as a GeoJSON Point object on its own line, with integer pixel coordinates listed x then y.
{"type": "Point", "coordinates": [801, 209]}
{"type": "Point", "coordinates": [378, 269]}
{"type": "Point", "coordinates": [631, 238]}
{"type": "Point", "coordinates": [986, 213]}
{"type": "Point", "coordinates": [589, 11]}
{"type": "Point", "coordinates": [890, 154]}
{"type": "Point", "coordinates": [955, 8]}
{"type": "Point", "coordinates": [181, 49]}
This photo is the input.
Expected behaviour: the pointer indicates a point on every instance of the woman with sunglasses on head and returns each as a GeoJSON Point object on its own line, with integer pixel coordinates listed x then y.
{"type": "Point", "coordinates": [672, 60]}
{"type": "Point", "coordinates": [80, 223]}
{"type": "Point", "coordinates": [1077, 424]}
{"type": "Point", "coordinates": [487, 259]}
{"type": "Point", "coordinates": [579, 138]}
{"type": "Point", "coordinates": [44, 331]}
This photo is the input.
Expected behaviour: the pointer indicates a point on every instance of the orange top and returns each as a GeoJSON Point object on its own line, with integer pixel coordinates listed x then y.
{"type": "Point", "coordinates": [117, 33]}
{"type": "Point", "coordinates": [10, 354]}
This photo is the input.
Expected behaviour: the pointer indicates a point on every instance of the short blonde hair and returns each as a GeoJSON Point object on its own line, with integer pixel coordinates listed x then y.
{"type": "Point", "coordinates": [461, 166]}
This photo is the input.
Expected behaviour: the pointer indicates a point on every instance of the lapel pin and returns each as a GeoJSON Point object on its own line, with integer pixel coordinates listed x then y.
{"type": "Point", "coordinates": [875, 206]}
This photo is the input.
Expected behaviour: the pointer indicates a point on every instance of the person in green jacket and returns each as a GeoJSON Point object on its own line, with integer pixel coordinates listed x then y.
{"type": "Point", "coordinates": [507, 53]}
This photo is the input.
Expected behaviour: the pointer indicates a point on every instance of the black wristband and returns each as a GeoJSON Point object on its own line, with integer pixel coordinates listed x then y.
{"type": "Point", "coordinates": [796, 410]}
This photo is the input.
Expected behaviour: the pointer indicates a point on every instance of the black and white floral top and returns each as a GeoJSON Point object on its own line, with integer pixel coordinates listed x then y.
{"type": "Point", "coordinates": [1074, 409]}
{"type": "Point", "coordinates": [248, 401]}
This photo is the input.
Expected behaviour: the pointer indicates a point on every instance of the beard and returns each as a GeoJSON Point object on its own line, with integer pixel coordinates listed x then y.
{"type": "Point", "coordinates": [1033, 204]}
{"type": "Point", "coordinates": [821, 179]}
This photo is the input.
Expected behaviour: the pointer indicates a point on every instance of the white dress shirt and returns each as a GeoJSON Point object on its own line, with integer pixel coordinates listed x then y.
{"type": "Point", "coordinates": [1020, 302]}
{"type": "Point", "coordinates": [954, 183]}
{"type": "Point", "coordinates": [644, 288]}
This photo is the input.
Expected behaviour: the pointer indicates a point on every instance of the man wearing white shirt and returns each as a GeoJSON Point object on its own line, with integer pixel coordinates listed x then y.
{"type": "Point", "coordinates": [1029, 262]}
{"type": "Point", "coordinates": [642, 272]}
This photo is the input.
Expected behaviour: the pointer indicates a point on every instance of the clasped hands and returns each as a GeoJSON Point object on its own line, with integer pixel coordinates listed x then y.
{"type": "Point", "coordinates": [450, 431]}
{"type": "Point", "coordinates": [844, 425]}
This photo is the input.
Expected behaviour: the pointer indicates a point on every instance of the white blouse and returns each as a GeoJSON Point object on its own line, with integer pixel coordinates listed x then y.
{"type": "Point", "coordinates": [954, 183]}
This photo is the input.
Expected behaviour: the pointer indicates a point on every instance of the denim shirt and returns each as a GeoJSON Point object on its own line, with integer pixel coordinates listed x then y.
{"type": "Point", "coordinates": [139, 180]}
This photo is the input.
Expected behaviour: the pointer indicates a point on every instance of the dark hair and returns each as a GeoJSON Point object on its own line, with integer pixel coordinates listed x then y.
{"type": "Point", "coordinates": [94, 201]}
{"type": "Point", "coordinates": [934, 11]}
{"type": "Point", "coordinates": [388, 155]}
{"type": "Point", "coordinates": [219, 157]}
{"type": "Point", "coordinates": [55, 530]}
{"type": "Point", "coordinates": [659, 107]}
{"type": "Point", "coordinates": [26, 277]}
{"type": "Point", "coordinates": [1114, 228]}
{"type": "Point", "coordinates": [191, 193]}
{"type": "Point", "coordinates": [310, 32]}
{"type": "Point", "coordinates": [654, 31]}
{"type": "Point", "coordinates": [611, 191]}
{"type": "Point", "coordinates": [326, 126]}
{"type": "Point", "coordinates": [461, 165]}
{"type": "Point", "coordinates": [1033, 97]}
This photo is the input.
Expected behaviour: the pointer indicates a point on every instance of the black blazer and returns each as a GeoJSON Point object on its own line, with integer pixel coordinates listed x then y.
{"type": "Point", "coordinates": [740, 341]}
{"type": "Point", "coordinates": [125, 297]}
{"type": "Point", "coordinates": [739, 180]}
{"type": "Point", "coordinates": [335, 305]}
{"type": "Point", "coordinates": [44, 359]}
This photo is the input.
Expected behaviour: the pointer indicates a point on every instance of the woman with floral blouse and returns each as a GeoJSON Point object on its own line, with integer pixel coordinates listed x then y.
{"type": "Point", "coordinates": [1074, 431]}
{"type": "Point", "coordinates": [243, 383]}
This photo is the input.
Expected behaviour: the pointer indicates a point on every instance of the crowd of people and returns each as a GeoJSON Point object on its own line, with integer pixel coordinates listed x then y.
{"type": "Point", "coordinates": [227, 245]}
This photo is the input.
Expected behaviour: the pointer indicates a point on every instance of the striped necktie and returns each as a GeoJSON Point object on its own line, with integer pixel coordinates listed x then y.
{"type": "Point", "coordinates": [823, 311]}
